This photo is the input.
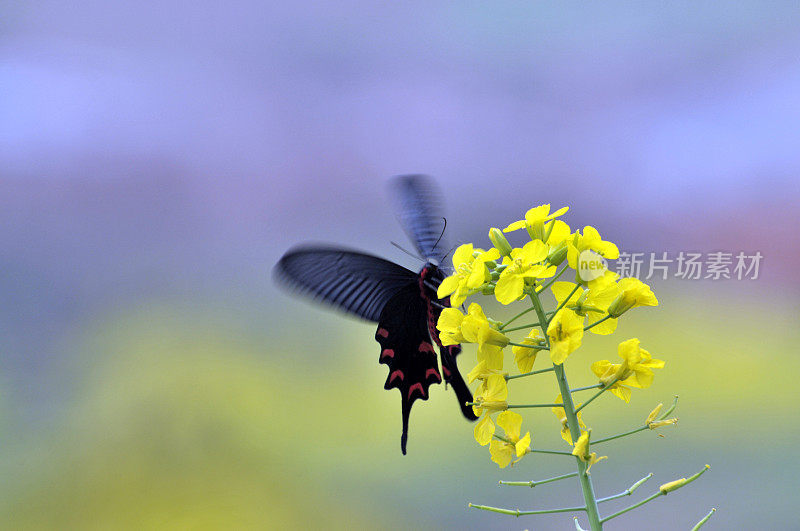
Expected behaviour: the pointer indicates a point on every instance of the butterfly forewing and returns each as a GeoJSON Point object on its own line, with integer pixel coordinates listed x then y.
{"type": "Point", "coordinates": [420, 213]}
{"type": "Point", "coordinates": [358, 283]}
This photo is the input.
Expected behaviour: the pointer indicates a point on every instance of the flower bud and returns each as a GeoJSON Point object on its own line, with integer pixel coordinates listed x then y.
{"type": "Point", "coordinates": [658, 423]}
{"type": "Point", "coordinates": [666, 488]}
{"type": "Point", "coordinates": [500, 242]}
{"type": "Point", "coordinates": [653, 414]}
{"type": "Point", "coordinates": [620, 305]}
{"type": "Point", "coordinates": [535, 230]}
{"type": "Point", "coordinates": [558, 254]}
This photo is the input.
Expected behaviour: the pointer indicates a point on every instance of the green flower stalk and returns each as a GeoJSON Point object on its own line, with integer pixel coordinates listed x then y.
{"type": "Point", "coordinates": [597, 302]}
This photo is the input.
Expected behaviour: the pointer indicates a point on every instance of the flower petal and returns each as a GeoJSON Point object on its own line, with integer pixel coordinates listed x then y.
{"type": "Point", "coordinates": [511, 423]}
{"type": "Point", "coordinates": [484, 430]}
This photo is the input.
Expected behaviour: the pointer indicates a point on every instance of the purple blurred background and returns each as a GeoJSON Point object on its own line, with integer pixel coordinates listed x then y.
{"type": "Point", "coordinates": [164, 151]}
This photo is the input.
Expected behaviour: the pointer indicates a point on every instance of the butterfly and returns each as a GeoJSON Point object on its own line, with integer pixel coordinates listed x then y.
{"type": "Point", "coordinates": [403, 303]}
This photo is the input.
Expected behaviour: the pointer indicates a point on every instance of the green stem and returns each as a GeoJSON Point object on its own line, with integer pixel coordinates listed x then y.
{"type": "Point", "coordinates": [517, 512]}
{"type": "Point", "coordinates": [628, 491]}
{"type": "Point", "coordinates": [598, 393]}
{"type": "Point", "coordinates": [519, 406]}
{"type": "Point", "coordinates": [595, 386]}
{"type": "Point", "coordinates": [596, 323]}
{"type": "Point", "coordinates": [671, 408]}
{"type": "Point", "coordinates": [554, 452]}
{"type": "Point", "coordinates": [528, 346]}
{"type": "Point", "coordinates": [540, 371]}
{"type": "Point", "coordinates": [699, 524]}
{"type": "Point", "coordinates": [520, 314]}
{"type": "Point", "coordinates": [574, 427]}
{"type": "Point", "coordinates": [520, 327]}
{"type": "Point", "coordinates": [561, 305]}
{"type": "Point", "coordinates": [619, 435]}
{"type": "Point", "coordinates": [634, 506]}
{"type": "Point", "coordinates": [533, 483]}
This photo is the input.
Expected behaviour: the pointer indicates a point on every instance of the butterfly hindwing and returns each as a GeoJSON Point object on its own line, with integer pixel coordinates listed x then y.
{"type": "Point", "coordinates": [453, 377]}
{"type": "Point", "coordinates": [408, 337]}
{"type": "Point", "coordinates": [407, 349]}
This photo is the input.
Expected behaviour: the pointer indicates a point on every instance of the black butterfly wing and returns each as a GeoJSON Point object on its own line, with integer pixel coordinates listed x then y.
{"type": "Point", "coordinates": [420, 212]}
{"type": "Point", "coordinates": [358, 283]}
{"type": "Point", "coordinates": [406, 328]}
{"type": "Point", "coordinates": [406, 348]}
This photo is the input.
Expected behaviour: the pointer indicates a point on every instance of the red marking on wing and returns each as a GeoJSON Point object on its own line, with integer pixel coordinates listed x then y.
{"type": "Point", "coordinates": [396, 374]}
{"type": "Point", "coordinates": [426, 347]}
{"type": "Point", "coordinates": [446, 371]}
{"type": "Point", "coordinates": [387, 353]}
{"type": "Point", "coordinates": [433, 372]}
{"type": "Point", "coordinates": [383, 332]}
{"type": "Point", "coordinates": [416, 386]}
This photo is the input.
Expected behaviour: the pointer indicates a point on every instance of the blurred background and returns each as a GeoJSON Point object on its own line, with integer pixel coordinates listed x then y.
{"type": "Point", "coordinates": [157, 159]}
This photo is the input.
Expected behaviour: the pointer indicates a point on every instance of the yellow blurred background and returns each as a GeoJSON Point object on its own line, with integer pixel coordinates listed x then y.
{"type": "Point", "coordinates": [184, 416]}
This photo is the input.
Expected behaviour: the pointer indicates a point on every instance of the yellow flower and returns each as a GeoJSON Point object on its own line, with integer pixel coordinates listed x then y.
{"type": "Point", "coordinates": [470, 273]}
{"type": "Point", "coordinates": [525, 356]}
{"type": "Point", "coordinates": [556, 232]}
{"type": "Point", "coordinates": [491, 395]}
{"type": "Point", "coordinates": [636, 369]}
{"type": "Point", "coordinates": [535, 220]}
{"type": "Point", "coordinates": [476, 328]}
{"type": "Point", "coordinates": [592, 303]}
{"type": "Point", "coordinates": [566, 333]}
{"type": "Point", "coordinates": [455, 327]}
{"type": "Point", "coordinates": [581, 450]}
{"type": "Point", "coordinates": [561, 415]}
{"type": "Point", "coordinates": [480, 372]}
{"type": "Point", "coordinates": [503, 450]}
{"type": "Point", "coordinates": [449, 326]}
{"type": "Point", "coordinates": [484, 430]}
{"type": "Point", "coordinates": [608, 277]}
{"type": "Point", "coordinates": [632, 293]}
{"type": "Point", "coordinates": [524, 267]}
{"type": "Point", "coordinates": [589, 240]}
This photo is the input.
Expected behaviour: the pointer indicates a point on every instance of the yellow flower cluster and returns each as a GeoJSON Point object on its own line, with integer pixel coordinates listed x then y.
{"type": "Point", "coordinates": [585, 304]}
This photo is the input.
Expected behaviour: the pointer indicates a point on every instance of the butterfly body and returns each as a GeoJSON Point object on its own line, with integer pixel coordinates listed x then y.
{"type": "Point", "coordinates": [403, 303]}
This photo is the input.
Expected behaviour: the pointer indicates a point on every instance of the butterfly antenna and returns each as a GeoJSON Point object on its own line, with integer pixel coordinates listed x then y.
{"type": "Point", "coordinates": [409, 253]}
{"type": "Point", "coordinates": [448, 252]}
{"type": "Point", "coordinates": [442, 234]}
